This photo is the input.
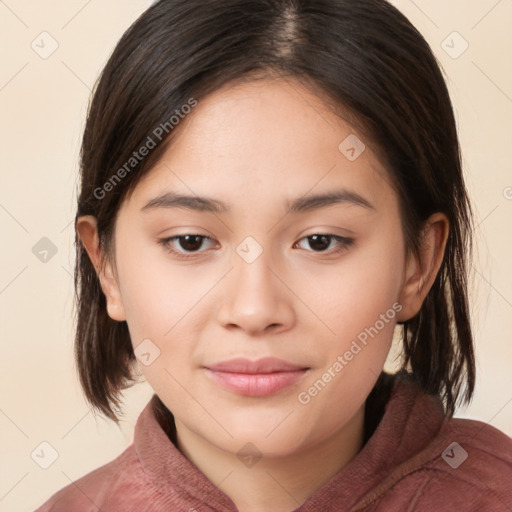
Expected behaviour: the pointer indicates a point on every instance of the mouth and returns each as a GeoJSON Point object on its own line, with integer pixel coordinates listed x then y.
{"type": "Point", "coordinates": [263, 377]}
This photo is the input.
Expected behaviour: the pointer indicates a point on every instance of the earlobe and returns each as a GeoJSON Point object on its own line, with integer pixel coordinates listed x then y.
{"type": "Point", "coordinates": [86, 228]}
{"type": "Point", "coordinates": [422, 268]}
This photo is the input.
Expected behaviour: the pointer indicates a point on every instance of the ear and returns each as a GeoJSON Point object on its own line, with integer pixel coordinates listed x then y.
{"type": "Point", "coordinates": [86, 227]}
{"type": "Point", "coordinates": [422, 268]}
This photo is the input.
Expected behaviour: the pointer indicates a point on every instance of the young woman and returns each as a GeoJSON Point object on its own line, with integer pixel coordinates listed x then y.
{"type": "Point", "coordinates": [270, 190]}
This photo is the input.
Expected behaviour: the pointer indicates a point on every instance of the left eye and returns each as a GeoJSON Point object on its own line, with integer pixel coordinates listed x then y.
{"type": "Point", "coordinates": [320, 242]}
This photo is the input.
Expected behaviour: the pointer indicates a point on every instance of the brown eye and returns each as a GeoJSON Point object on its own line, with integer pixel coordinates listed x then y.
{"type": "Point", "coordinates": [319, 242]}
{"type": "Point", "coordinates": [184, 246]}
{"type": "Point", "coordinates": [190, 242]}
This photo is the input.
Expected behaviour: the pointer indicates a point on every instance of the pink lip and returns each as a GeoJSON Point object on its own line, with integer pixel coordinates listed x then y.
{"type": "Point", "coordinates": [263, 377]}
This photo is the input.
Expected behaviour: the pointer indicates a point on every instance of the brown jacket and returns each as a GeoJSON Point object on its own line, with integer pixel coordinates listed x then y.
{"type": "Point", "coordinates": [416, 460]}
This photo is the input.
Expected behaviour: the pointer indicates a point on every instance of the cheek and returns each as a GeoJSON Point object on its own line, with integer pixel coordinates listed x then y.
{"type": "Point", "coordinates": [360, 306]}
{"type": "Point", "coordinates": [352, 295]}
{"type": "Point", "coordinates": [157, 295]}
{"type": "Point", "coordinates": [358, 302]}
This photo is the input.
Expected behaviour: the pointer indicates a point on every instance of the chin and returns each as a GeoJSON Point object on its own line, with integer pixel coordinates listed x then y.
{"type": "Point", "coordinates": [271, 436]}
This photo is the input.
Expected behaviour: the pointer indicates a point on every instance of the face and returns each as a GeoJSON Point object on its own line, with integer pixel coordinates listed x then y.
{"type": "Point", "coordinates": [263, 271]}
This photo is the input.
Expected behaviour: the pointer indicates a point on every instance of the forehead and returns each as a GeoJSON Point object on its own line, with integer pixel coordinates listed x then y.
{"type": "Point", "coordinates": [264, 140]}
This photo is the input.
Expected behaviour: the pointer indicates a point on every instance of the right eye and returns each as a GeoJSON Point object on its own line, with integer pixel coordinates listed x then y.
{"type": "Point", "coordinates": [189, 243]}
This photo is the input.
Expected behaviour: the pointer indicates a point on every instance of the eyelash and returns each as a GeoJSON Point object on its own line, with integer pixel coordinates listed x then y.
{"type": "Point", "coordinates": [343, 242]}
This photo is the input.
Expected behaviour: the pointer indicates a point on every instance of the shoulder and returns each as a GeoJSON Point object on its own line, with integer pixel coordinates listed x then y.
{"type": "Point", "coordinates": [469, 468]}
{"type": "Point", "coordinates": [478, 443]}
{"type": "Point", "coordinates": [122, 477]}
{"type": "Point", "coordinates": [434, 462]}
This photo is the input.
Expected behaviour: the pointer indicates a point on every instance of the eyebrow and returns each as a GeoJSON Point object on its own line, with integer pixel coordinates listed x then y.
{"type": "Point", "coordinates": [301, 204]}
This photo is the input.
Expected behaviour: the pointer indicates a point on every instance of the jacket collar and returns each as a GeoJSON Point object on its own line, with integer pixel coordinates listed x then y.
{"type": "Point", "coordinates": [411, 419]}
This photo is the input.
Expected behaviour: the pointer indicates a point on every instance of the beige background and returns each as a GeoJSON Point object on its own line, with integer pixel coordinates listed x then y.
{"type": "Point", "coordinates": [43, 104]}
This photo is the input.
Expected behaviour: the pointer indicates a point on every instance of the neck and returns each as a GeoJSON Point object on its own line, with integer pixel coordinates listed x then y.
{"type": "Point", "coordinates": [274, 484]}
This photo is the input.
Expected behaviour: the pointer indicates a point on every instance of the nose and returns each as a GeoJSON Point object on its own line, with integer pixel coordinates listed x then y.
{"type": "Point", "coordinates": [255, 298]}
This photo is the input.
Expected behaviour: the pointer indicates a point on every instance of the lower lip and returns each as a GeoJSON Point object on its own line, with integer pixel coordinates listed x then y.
{"type": "Point", "coordinates": [259, 384]}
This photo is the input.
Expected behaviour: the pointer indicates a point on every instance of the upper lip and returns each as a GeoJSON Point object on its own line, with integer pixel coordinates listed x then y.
{"type": "Point", "coordinates": [264, 365]}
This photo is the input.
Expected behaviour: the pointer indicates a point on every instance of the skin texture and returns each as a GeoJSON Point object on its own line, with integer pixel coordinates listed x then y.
{"type": "Point", "coordinates": [256, 146]}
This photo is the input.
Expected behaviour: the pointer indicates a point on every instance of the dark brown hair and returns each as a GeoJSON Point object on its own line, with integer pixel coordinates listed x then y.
{"type": "Point", "coordinates": [367, 61]}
